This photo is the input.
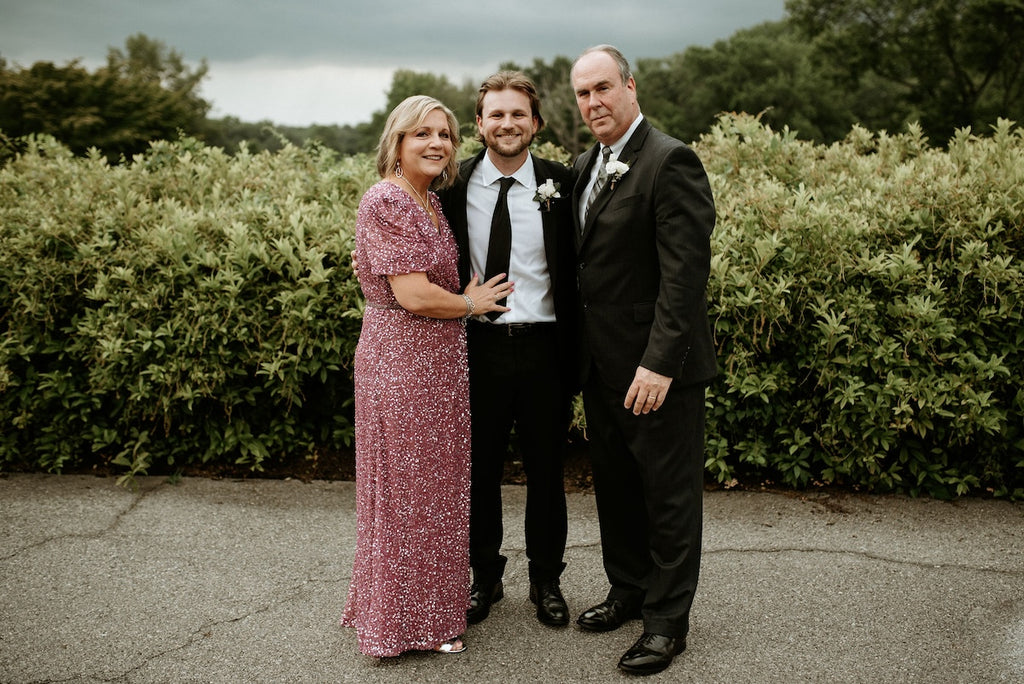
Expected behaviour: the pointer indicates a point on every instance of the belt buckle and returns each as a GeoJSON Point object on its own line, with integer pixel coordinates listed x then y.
{"type": "Point", "coordinates": [513, 329]}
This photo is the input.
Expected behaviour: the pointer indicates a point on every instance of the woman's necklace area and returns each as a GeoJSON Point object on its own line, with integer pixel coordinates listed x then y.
{"type": "Point", "coordinates": [424, 202]}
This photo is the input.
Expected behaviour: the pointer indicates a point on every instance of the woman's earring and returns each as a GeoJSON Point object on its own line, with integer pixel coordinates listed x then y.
{"type": "Point", "coordinates": [398, 169]}
{"type": "Point", "coordinates": [444, 175]}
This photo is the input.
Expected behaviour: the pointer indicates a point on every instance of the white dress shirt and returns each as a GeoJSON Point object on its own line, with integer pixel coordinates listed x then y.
{"type": "Point", "coordinates": [532, 301]}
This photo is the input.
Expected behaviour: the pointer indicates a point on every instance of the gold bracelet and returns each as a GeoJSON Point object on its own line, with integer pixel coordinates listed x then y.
{"type": "Point", "coordinates": [470, 305]}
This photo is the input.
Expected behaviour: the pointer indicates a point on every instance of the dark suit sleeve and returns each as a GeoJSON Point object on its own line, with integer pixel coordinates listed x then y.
{"type": "Point", "coordinates": [453, 204]}
{"type": "Point", "coordinates": [561, 256]}
{"type": "Point", "coordinates": [684, 215]}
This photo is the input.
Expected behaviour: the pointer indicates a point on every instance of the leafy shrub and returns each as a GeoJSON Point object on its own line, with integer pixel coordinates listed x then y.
{"type": "Point", "coordinates": [867, 300]}
{"type": "Point", "coordinates": [191, 307]}
{"type": "Point", "coordinates": [188, 307]}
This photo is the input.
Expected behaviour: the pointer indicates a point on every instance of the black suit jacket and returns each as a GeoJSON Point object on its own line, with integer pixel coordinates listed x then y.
{"type": "Point", "coordinates": [644, 258]}
{"type": "Point", "coordinates": [558, 248]}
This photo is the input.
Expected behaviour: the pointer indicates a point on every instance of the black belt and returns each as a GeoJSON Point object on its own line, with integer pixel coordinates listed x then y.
{"type": "Point", "coordinates": [511, 329]}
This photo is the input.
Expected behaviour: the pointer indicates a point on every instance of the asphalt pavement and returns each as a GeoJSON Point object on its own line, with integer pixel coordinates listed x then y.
{"type": "Point", "coordinates": [216, 580]}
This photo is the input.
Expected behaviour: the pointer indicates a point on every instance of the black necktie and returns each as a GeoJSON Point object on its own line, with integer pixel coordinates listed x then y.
{"type": "Point", "coordinates": [499, 246]}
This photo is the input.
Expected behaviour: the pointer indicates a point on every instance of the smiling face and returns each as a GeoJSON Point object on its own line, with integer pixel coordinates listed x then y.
{"type": "Point", "coordinates": [506, 123]}
{"type": "Point", "coordinates": [424, 152]}
{"type": "Point", "coordinates": [608, 106]}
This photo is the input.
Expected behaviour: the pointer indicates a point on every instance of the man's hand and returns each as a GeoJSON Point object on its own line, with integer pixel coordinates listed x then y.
{"type": "Point", "coordinates": [648, 391]}
{"type": "Point", "coordinates": [355, 265]}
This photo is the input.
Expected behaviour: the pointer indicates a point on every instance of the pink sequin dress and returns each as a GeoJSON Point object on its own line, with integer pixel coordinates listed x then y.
{"type": "Point", "coordinates": [410, 577]}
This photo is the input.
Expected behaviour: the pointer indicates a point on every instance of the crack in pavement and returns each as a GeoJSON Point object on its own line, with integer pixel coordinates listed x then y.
{"type": "Point", "coordinates": [139, 497]}
{"type": "Point", "coordinates": [206, 629]}
{"type": "Point", "coordinates": [870, 556]}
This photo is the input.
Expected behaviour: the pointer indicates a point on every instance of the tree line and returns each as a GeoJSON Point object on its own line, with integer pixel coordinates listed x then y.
{"type": "Point", "coordinates": [826, 66]}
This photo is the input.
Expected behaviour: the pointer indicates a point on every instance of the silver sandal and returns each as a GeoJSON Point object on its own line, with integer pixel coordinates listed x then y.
{"type": "Point", "coordinates": [453, 645]}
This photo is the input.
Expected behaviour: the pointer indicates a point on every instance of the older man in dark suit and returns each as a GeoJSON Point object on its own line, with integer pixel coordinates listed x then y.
{"type": "Point", "coordinates": [644, 217]}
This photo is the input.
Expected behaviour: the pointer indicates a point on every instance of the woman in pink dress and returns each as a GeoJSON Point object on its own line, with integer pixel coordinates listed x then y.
{"type": "Point", "coordinates": [410, 576]}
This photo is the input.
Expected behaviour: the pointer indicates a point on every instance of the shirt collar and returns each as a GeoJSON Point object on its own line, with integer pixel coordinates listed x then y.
{"type": "Point", "coordinates": [620, 144]}
{"type": "Point", "coordinates": [489, 173]}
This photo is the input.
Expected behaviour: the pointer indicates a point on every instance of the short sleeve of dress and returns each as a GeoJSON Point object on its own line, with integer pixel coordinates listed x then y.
{"type": "Point", "coordinates": [393, 230]}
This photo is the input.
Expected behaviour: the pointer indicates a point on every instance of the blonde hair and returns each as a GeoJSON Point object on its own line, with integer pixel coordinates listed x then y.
{"type": "Point", "coordinates": [406, 118]}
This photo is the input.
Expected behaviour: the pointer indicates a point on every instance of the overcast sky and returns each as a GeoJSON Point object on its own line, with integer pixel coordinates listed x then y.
{"type": "Point", "coordinates": [298, 62]}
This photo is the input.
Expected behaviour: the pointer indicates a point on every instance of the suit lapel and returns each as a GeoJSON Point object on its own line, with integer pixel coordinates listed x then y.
{"type": "Point", "coordinates": [629, 154]}
{"type": "Point", "coordinates": [548, 219]}
{"type": "Point", "coordinates": [583, 176]}
{"type": "Point", "coordinates": [635, 143]}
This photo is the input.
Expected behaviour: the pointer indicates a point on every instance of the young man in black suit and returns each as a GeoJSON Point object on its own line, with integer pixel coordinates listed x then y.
{"type": "Point", "coordinates": [643, 243]}
{"type": "Point", "coordinates": [522, 364]}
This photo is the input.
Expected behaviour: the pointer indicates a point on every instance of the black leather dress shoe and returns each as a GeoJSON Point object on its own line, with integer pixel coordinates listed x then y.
{"type": "Point", "coordinates": [551, 608]}
{"type": "Point", "coordinates": [651, 653]}
{"type": "Point", "coordinates": [606, 616]}
{"type": "Point", "coordinates": [481, 597]}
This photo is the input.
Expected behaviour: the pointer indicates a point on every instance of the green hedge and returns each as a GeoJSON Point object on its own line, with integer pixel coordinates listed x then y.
{"type": "Point", "coordinates": [867, 301]}
{"type": "Point", "coordinates": [193, 307]}
{"type": "Point", "coordinates": [188, 307]}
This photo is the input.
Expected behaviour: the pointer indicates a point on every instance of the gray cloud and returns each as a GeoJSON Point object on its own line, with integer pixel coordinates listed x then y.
{"type": "Point", "coordinates": [268, 57]}
{"type": "Point", "coordinates": [408, 31]}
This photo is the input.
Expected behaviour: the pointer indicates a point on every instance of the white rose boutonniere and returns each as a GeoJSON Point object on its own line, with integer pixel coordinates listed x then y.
{"type": "Point", "coordinates": [546, 192]}
{"type": "Point", "coordinates": [615, 169]}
